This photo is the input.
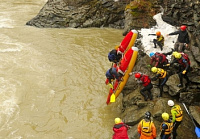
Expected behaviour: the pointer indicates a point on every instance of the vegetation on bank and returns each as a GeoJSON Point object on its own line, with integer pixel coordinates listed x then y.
{"type": "Point", "coordinates": [139, 7]}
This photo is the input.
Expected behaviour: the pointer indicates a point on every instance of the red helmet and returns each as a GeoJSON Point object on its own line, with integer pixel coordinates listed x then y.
{"type": "Point", "coordinates": [183, 27]}
{"type": "Point", "coordinates": [137, 75]}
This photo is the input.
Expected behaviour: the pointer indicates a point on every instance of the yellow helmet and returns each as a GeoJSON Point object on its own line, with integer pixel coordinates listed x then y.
{"type": "Point", "coordinates": [177, 55]}
{"type": "Point", "coordinates": [154, 69]}
{"type": "Point", "coordinates": [165, 116]}
{"type": "Point", "coordinates": [175, 52]}
{"type": "Point", "coordinates": [117, 120]}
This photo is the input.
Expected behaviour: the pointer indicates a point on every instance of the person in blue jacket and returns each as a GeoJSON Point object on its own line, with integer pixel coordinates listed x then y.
{"type": "Point", "coordinates": [166, 126]}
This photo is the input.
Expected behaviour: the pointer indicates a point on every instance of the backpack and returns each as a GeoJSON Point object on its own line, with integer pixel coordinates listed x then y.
{"type": "Point", "coordinates": [185, 57]}
{"type": "Point", "coordinates": [160, 55]}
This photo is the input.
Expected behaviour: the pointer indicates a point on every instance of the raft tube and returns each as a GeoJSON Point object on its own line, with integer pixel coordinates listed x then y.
{"type": "Point", "coordinates": [128, 41]}
{"type": "Point", "coordinates": [126, 66]}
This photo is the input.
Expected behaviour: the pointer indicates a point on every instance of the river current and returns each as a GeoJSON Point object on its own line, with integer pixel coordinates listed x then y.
{"type": "Point", "coordinates": [52, 81]}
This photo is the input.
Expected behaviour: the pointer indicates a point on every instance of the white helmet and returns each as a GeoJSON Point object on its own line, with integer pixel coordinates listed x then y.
{"type": "Point", "coordinates": [170, 103]}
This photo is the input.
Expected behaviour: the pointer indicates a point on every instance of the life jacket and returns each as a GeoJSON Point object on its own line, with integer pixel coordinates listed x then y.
{"type": "Point", "coordinates": [109, 74]}
{"type": "Point", "coordinates": [146, 128]}
{"type": "Point", "coordinates": [161, 39]}
{"type": "Point", "coordinates": [163, 57]}
{"type": "Point", "coordinates": [184, 59]}
{"type": "Point", "coordinates": [162, 73]}
{"type": "Point", "coordinates": [169, 127]}
{"type": "Point", "coordinates": [145, 80]}
{"type": "Point", "coordinates": [179, 115]}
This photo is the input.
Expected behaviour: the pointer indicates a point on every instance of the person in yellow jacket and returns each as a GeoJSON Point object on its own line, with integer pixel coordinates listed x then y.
{"type": "Point", "coordinates": [166, 126]}
{"type": "Point", "coordinates": [146, 127]}
{"type": "Point", "coordinates": [162, 75]}
{"type": "Point", "coordinates": [177, 116]}
{"type": "Point", "coordinates": [159, 40]}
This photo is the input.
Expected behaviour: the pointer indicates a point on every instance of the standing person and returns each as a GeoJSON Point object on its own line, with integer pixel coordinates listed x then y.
{"type": "Point", "coordinates": [159, 40]}
{"type": "Point", "coordinates": [183, 39]}
{"type": "Point", "coordinates": [184, 67]}
{"type": "Point", "coordinates": [162, 75]}
{"type": "Point", "coordinates": [146, 82]}
{"type": "Point", "coordinates": [120, 130]}
{"type": "Point", "coordinates": [166, 127]}
{"type": "Point", "coordinates": [177, 116]}
{"type": "Point", "coordinates": [146, 127]}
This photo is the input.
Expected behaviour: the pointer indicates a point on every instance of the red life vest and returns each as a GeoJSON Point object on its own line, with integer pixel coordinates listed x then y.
{"type": "Point", "coordinates": [157, 55]}
{"type": "Point", "coordinates": [145, 80]}
{"type": "Point", "coordinates": [184, 59]}
{"type": "Point", "coordinates": [120, 131]}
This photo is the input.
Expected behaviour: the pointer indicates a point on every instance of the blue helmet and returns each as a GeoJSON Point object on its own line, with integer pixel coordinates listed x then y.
{"type": "Point", "coordinates": [112, 55]}
{"type": "Point", "coordinates": [151, 54]}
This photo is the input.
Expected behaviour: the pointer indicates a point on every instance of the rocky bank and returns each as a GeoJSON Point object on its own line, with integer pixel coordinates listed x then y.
{"type": "Point", "coordinates": [138, 14]}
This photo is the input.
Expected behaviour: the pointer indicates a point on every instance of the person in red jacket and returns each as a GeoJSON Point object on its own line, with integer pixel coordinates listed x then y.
{"type": "Point", "coordinates": [120, 130]}
{"type": "Point", "coordinates": [146, 82]}
{"type": "Point", "coordinates": [159, 59]}
{"type": "Point", "coordinates": [184, 67]}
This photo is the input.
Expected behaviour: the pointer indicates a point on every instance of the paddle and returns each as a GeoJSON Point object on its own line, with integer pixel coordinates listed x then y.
{"type": "Point", "coordinates": [112, 97]}
{"type": "Point", "coordinates": [197, 129]}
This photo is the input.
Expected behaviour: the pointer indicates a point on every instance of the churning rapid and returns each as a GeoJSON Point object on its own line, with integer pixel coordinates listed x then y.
{"type": "Point", "coordinates": [52, 83]}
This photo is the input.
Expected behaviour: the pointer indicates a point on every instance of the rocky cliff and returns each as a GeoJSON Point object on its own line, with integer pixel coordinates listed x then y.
{"type": "Point", "coordinates": [138, 14]}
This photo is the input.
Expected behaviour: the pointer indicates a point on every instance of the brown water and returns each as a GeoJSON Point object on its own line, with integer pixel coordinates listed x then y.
{"type": "Point", "coordinates": [52, 80]}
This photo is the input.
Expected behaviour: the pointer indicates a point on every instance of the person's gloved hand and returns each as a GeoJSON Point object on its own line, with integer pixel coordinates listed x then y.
{"type": "Point", "coordinates": [149, 66]}
{"type": "Point", "coordinates": [111, 86]}
{"type": "Point", "coordinates": [184, 72]}
{"type": "Point", "coordinates": [167, 65]}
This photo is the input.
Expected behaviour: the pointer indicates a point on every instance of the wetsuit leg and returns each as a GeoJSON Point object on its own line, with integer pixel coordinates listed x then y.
{"type": "Point", "coordinates": [150, 86]}
{"type": "Point", "coordinates": [142, 91]}
{"type": "Point", "coordinates": [176, 125]}
{"type": "Point", "coordinates": [148, 89]}
{"type": "Point", "coordinates": [180, 75]}
{"type": "Point", "coordinates": [154, 41]}
{"type": "Point", "coordinates": [181, 47]}
{"type": "Point", "coordinates": [176, 46]}
{"type": "Point", "coordinates": [187, 79]}
{"type": "Point", "coordinates": [160, 45]}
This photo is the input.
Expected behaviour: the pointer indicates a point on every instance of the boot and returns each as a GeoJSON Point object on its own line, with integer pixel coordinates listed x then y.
{"type": "Point", "coordinates": [150, 97]}
{"type": "Point", "coordinates": [144, 95]}
{"type": "Point", "coordinates": [145, 98]}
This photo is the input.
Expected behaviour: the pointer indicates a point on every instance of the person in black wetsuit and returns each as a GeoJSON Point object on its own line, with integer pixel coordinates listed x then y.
{"type": "Point", "coordinates": [183, 39]}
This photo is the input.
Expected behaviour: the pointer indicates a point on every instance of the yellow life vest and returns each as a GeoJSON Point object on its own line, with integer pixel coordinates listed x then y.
{"type": "Point", "coordinates": [169, 127]}
{"type": "Point", "coordinates": [146, 128]}
{"type": "Point", "coordinates": [179, 111]}
{"type": "Point", "coordinates": [161, 39]}
{"type": "Point", "coordinates": [162, 72]}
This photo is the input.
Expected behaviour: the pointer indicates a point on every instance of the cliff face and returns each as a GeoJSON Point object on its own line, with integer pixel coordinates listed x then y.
{"type": "Point", "coordinates": [134, 15]}
{"type": "Point", "coordinates": [80, 14]}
